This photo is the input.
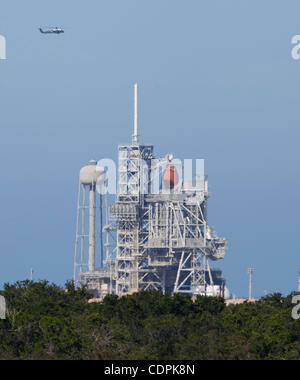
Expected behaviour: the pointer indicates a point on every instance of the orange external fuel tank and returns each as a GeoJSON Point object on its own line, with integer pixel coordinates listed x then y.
{"type": "Point", "coordinates": [170, 177]}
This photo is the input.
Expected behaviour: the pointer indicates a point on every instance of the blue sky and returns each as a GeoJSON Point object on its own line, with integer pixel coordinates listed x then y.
{"type": "Point", "coordinates": [217, 81]}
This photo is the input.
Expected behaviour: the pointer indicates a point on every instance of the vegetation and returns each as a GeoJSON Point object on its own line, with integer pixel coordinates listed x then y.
{"type": "Point", "coordinates": [47, 322]}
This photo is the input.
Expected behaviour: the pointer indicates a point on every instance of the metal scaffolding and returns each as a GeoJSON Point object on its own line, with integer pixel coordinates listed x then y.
{"type": "Point", "coordinates": [163, 241]}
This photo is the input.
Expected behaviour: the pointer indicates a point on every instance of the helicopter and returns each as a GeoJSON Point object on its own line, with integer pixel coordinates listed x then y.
{"type": "Point", "coordinates": [52, 31]}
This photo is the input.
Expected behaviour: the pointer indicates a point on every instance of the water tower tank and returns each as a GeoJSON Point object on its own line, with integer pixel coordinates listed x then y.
{"type": "Point", "coordinates": [92, 174]}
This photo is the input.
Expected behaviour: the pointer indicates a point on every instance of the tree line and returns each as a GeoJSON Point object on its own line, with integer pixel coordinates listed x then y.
{"type": "Point", "coordinates": [47, 322]}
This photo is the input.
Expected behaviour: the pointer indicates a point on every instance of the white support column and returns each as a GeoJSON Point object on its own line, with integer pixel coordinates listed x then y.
{"type": "Point", "coordinates": [92, 229]}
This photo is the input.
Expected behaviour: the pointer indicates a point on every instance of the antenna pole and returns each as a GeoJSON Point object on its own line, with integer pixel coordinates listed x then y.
{"type": "Point", "coordinates": [250, 272]}
{"type": "Point", "coordinates": [136, 135]}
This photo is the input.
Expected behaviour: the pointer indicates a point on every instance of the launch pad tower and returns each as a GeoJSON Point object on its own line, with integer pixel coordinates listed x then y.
{"type": "Point", "coordinates": [163, 241]}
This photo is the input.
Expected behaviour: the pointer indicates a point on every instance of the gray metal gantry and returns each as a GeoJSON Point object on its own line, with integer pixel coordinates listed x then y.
{"type": "Point", "coordinates": [163, 240]}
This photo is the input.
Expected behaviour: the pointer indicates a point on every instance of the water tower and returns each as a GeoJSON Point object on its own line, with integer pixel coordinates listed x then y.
{"type": "Point", "coordinates": [89, 241]}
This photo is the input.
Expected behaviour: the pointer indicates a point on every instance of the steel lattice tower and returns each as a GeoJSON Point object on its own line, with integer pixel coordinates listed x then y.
{"type": "Point", "coordinates": [163, 241]}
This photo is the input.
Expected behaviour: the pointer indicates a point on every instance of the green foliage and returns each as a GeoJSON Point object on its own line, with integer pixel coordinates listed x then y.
{"type": "Point", "coordinates": [45, 321]}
